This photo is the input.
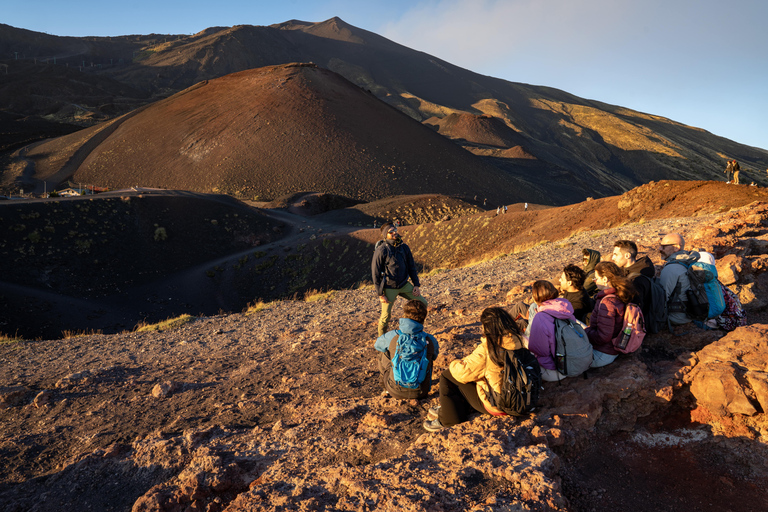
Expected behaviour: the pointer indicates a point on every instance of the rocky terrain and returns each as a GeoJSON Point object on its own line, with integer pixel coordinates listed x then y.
{"type": "Point", "coordinates": [110, 261]}
{"type": "Point", "coordinates": [280, 407]}
{"type": "Point", "coordinates": [543, 140]}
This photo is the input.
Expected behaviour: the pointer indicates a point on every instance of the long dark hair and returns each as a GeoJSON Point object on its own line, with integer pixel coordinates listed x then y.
{"type": "Point", "coordinates": [625, 290]}
{"type": "Point", "coordinates": [497, 323]}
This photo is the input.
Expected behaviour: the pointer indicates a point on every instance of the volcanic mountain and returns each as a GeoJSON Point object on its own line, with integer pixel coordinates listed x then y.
{"type": "Point", "coordinates": [589, 147]}
{"type": "Point", "coordinates": [271, 131]}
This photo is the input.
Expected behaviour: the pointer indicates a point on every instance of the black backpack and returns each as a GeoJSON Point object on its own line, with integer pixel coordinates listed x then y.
{"type": "Point", "coordinates": [656, 319]}
{"type": "Point", "coordinates": [697, 306]}
{"type": "Point", "coordinates": [520, 383]}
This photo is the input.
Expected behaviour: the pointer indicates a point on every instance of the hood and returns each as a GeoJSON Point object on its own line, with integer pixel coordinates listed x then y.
{"type": "Point", "coordinates": [558, 308]}
{"type": "Point", "coordinates": [409, 326]}
{"type": "Point", "coordinates": [684, 257]}
{"type": "Point", "coordinates": [594, 259]}
{"type": "Point", "coordinates": [603, 293]}
{"type": "Point", "coordinates": [642, 266]}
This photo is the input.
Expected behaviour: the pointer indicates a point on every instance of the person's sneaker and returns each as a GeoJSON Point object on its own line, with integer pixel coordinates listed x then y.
{"type": "Point", "coordinates": [433, 426]}
{"type": "Point", "coordinates": [433, 413]}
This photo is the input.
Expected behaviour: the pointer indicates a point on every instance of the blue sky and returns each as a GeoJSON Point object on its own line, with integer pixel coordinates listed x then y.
{"type": "Point", "coordinates": [699, 62]}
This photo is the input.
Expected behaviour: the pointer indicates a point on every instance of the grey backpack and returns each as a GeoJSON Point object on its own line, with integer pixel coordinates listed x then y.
{"type": "Point", "coordinates": [573, 352]}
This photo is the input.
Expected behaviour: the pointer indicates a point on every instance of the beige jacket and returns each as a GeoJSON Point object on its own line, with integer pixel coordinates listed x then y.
{"type": "Point", "coordinates": [477, 367]}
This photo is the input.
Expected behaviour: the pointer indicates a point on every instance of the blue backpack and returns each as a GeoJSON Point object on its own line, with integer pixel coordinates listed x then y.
{"type": "Point", "coordinates": [410, 362]}
{"type": "Point", "coordinates": [708, 275]}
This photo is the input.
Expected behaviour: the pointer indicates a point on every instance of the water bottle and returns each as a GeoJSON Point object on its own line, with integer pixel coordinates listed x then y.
{"type": "Point", "coordinates": [624, 340]}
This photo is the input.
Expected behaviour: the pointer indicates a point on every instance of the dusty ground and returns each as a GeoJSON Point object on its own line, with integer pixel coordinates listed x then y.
{"type": "Point", "coordinates": [281, 409]}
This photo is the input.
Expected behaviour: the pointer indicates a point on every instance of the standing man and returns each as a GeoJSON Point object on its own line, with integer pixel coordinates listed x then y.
{"type": "Point", "coordinates": [728, 170]}
{"type": "Point", "coordinates": [391, 267]}
{"type": "Point", "coordinates": [640, 272]}
{"type": "Point", "coordinates": [526, 207]}
{"type": "Point", "coordinates": [736, 170]}
{"type": "Point", "coordinates": [674, 277]}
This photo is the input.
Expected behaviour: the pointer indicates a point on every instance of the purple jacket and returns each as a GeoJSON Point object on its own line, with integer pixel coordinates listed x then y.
{"type": "Point", "coordinates": [542, 340]}
{"type": "Point", "coordinates": [606, 321]}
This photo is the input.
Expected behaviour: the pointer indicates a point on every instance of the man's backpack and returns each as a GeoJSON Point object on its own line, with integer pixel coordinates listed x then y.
{"type": "Point", "coordinates": [632, 330]}
{"type": "Point", "coordinates": [697, 305]}
{"type": "Point", "coordinates": [520, 383]}
{"type": "Point", "coordinates": [733, 316]}
{"type": "Point", "coordinates": [410, 362]}
{"type": "Point", "coordinates": [708, 277]}
{"type": "Point", "coordinates": [656, 319]}
{"type": "Point", "coordinates": [573, 352]}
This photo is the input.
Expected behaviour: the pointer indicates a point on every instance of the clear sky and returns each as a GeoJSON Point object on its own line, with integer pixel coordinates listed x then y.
{"type": "Point", "coordinates": [699, 62]}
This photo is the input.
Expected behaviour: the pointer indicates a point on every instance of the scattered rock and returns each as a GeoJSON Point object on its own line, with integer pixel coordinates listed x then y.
{"type": "Point", "coordinates": [13, 395]}
{"type": "Point", "coordinates": [165, 389]}
{"type": "Point", "coordinates": [43, 398]}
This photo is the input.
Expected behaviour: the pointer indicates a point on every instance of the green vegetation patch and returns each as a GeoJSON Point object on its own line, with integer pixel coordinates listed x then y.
{"type": "Point", "coordinates": [166, 325]}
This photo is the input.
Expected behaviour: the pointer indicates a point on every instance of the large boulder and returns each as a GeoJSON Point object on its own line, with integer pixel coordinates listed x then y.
{"type": "Point", "coordinates": [730, 376]}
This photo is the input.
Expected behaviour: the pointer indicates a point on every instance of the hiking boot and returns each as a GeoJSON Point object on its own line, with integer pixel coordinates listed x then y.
{"type": "Point", "coordinates": [433, 426]}
{"type": "Point", "coordinates": [433, 413]}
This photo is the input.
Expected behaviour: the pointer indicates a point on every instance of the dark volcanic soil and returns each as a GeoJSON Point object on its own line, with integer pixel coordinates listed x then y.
{"type": "Point", "coordinates": [267, 132]}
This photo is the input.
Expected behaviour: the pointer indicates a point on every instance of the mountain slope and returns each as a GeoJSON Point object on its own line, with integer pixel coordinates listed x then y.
{"type": "Point", "coordinates": [579, 147]}
{"type": "Point", "coordinates": [611, 147]}
{"type": "Point", "coordinates": [272, 131]}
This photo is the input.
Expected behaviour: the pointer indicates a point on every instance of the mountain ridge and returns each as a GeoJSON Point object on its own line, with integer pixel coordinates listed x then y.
{"type": "Point", "coordinates": [609, 147]}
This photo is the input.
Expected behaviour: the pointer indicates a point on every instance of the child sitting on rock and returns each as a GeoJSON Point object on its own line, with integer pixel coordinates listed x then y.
{"type": "Point", "coordinates": [407, 354]}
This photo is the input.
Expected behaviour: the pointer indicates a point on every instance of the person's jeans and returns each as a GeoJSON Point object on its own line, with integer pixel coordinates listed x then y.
{"type": "Point", "coordinates": [457, 400]}
{"type": "Point", "coordinates": [392, 294]}
{"type": "Point", "coordinates": [601, 359]}
{"type": "Point", "coordinates": [548, 375]}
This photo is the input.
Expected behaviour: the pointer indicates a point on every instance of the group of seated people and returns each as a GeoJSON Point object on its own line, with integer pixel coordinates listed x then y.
{"type": "Point", "coordinates": [595, 296]}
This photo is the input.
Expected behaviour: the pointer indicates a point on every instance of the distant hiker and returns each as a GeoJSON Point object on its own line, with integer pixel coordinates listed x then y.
{"type": "Point", "coordinates": [391, 267]}
{"type": "Point", "coordinates": [505, 208]}
{"type": "Point", "coordinates": [526, 207]}
{"type": "Point", "coordinates": [397, 223]}
{"type": "Point", "coordinates": [641, 272]}
{"type": "Point", "coordinates": [572, 290]}
{"type": "Point", "coordinates": [553, 316]}
{"type": "Point", "coordinates": [485, 201]}
{"type": "Point", "coordinates": [407, 353]}
{"type": "Point", "coordinates": [590, 258]}
{"type": "Point", "coordinates": [674, 277]}
{"type": "Point", "coordinates": [607, 319]}
{"type": "Point", "coordinates": [736, 170]}
{"type": "Point", "coordinates": [375, 223]}
{"type": "Point", "coordinates": [476, 382]}
{"type": "Point", "coordinates": [498, 210]}
{"type": "Point", "coordinates": [728, 171]}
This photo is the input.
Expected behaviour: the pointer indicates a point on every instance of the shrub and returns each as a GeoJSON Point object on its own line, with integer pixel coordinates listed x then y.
{"type": "Point", "coordinates": [165, 325]}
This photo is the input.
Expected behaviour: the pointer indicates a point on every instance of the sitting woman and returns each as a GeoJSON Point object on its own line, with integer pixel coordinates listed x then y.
{"type": "Point", "coordinates": [542, 342]}
{"type": "Point", "coordinates": [616, 291]}
{"type": "Point", "coordinates": [464, 384]}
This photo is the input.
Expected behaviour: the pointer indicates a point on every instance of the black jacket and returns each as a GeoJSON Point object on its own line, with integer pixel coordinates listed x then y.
{"type": "Point", "coordinates": [397, 265]}
{"type": "Point", "coordinates": [581, 302]}
{"type": "Point", "coordinates": [642, 267]}
{"type": "Point", "coordinates": [589, 269]}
